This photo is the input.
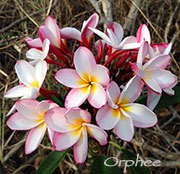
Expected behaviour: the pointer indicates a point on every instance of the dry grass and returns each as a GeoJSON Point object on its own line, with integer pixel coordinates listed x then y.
{"type": "Point", "coordinates": [160, 142]}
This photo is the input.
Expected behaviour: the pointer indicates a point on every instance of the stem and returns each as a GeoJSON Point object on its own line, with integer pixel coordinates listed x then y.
{"type": "Point", "coordinates": [119, 147]}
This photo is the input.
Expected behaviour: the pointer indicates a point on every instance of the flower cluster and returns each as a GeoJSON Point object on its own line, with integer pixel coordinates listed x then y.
{"type": "Point", "coordinates": [94, 83]}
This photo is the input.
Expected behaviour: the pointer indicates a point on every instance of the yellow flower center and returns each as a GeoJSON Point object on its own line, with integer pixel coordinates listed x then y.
{"type": "Point", "coordinates": [35, 83]}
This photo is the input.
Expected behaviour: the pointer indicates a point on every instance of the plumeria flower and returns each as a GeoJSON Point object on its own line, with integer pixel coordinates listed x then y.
{"type": "Point", "coordinates": [30, 116]}
{"type": "Point", "coordinates": [31, 79]}
{"type": "Point", "coordinates": [121, 114]}
{"type": "Point", "coordinates": [114, 35]}
{"type": "Point", "coordinates": [153, 98]}
{"type": "Point", "coordinates": [51, 32]}
{"type": "Point", "coordinates": [72, 130]}
{"type": "Point", "coordinates": [85, 35]}
{"type": "Point", "coordinates": [87, 80]}
{"type": "Point", "coordinates": [152, 72]}
{"type": "Point", "coordinates": [34, 43]}
{"type": "Point", "coordinates": [38, 55]}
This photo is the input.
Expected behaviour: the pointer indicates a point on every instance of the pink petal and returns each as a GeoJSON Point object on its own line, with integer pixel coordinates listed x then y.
{"type": "Point", "coordinates": [76, 115]}
{"type": "Point", "coordinates": [84, 61]}
{"type": "Point", "coordinates": [62, 141]}
{"type": "Point", "coordinates": [80, 149]}
{"type": "Point", "coordinates": [159, 62]}
{"type": "Point", "coordinates": [124, 129]}
{"type": "Point", "coordinates": [129, 43]}
{"type": "Point", "coordinates": [56, 121]}
{"type": "Point", "coordinates": [28, 108]}
{"type": "Point", "coordinates": [117, 31]}
{"type": "Point", "coordinates": [76, 97]}
{"type": "Point", "coordinates": [70, 77]}
{"type": "Point", "coordinates": [143, 34]}
{"type": "Point", "coordinates": [71, 33]}
{"type": "Point", "coordinates": [97, 133]}
{"type": "Point", "coordinates": [25, 72]}
{"type": "Point", "coordinates": [18, 122]}
{"type": "Point", "coordinates": [45, 32]}
{"type": "Point", "coordinates": [107, 117]}
{"type": "Point", "coordinates": [34, 43]}
{"type": "Point", "coordinates": [152, 99]}
{"type": "Point", "coordinates": [143, 51]}
{"type": "Point", "coordinates": [97, 97]}
{"type": "Point", "coordinates": [51, 24]}
{"type": "Point", "coordinates": [132, 90]}
{"type": "Point", "coordinates": [138, 71]}
{"type": "Point", "coordinates": [113, 94]}
{"type": "Point", "coordinates": [34, 138]}
{"type": "Point", "coordinates": [87, 34]}
{"type": "Point", "coordinates": [162, 77]}
{"type": "Point", "coordinates": [40, 72]}
{"type": "Point", "coordinates": [159, 48]}
{"type": "Point", "coordinates": [100, 74]}
{"type": "Point", "coordinates": [45, 105]}
{"type": "Point", "coordinates": [17, 91]}
{"type": "Point", "coordinates": [141, 115]}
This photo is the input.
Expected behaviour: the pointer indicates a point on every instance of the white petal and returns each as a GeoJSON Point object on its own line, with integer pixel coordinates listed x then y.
{"type": "Point", "coordinates": [124, 129]}
{"type": "Point", "coordinates": [25, 72]}
{"type": "Point", "coordinates": [70, 77]}
{"type": "Point", "coordinates": [34, 138]}
{"type": "Point", "coordinates": [45, 105]}
{"type": "Point", "coordinates": [84, 61]}
{"type": "Point", "coordinates": [97, 97]}
{"type": "Point", "coordinates": [102, 35]}
{"type": "Point", "coordinates": [141, 115]}
{"type": "Point", "coordinates": [81, 148]}
{"type": "Point", "coordinates": [34, 53]}
{"type": "Point", "coordinates": [113, 94]}
{"type": "Point", "coordinates": [162, 77]}
{"type": "Point", "coordinates": [18, 122]}
{"type": "Point", "coordinates": [17, 91]}
{"type": "Point", "coordinates": [100, 74]}
{"type": "Point", "coordinates": [107, 117]}
{"type": "Point", "coordinates": [76, 97]}
{"type": "Point", "coordinates": [97, 133]}
{"type": "Point", "coordinates": [28, 108]}
{"type": "Point", "coordinates": [76, 116]}
{"type": "Point", "coordinates": [68, 139]}
{"type": "Point", "coordinates": [152, 99]}
{"type": "Point", "coordinates": [45, 48]}
{"type": "Point", "coordinates": [132, 90]}
{"type": "Point", "coordinates": [40, 72]}
{"type": "Point", "coordinates": [56, 121]}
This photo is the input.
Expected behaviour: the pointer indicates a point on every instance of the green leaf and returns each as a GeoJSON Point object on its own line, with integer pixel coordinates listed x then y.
{"type": "Point", "coordinates": [99, 167]}
{"type": "Point", "coordinates": [40, 98]}
{"type": "Point", "coordinates": [51, 162]}
{"type": "Point", "coordinates": [56, 100]}
{"type": "Point", "coordinates": [137, 167]}
{"type": "Point", "coordinates": [165, 101]}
